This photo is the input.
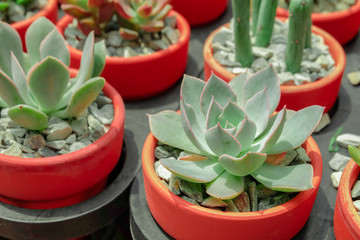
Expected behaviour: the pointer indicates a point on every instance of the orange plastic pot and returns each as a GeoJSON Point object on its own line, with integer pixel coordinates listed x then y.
{"type": "Point", "coordinates": [50, 12]}
{"type": "Point", "coordinates": [322, 92]}
{"type": "Point", "coordinates": [346, 218]}
{"type": "Point", "coordinates": [342, 25]}
{"type": "Point", "coordinates": [141, 77]}
{"type": "Point", "coordinates": [196, 13]}
{"type": "Point", "coordinates": [183, 220]}
{"type": "Point", "coordinates": [52, 182]}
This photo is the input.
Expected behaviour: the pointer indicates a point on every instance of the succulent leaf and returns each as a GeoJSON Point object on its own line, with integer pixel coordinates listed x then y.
{"type": "Point", "coordinates": [213, 114]}
{"type": "Point", "coordinates": [354, 153]}
{"type": "Point", "coordinates": [99, 58]}
{"type": "Point", "coordinates": [124, 9]}
{"type": "Point", "coordinates": [54, 45]}
{"type": "Point", "coordinates": [128, 34]}
{"type": "Point", "coordinates": [226, 186]}
{"type": "Point", "coordinates": [194, 171]}
{"type": "Point", "coordinates": [75, 11]}
{"type": "Point", "coordinates": [237, 84]}
{"type": "Point", "coordinates": [28, 117]}
{"type": "Point", "coordinates": [3, 103]}
{"type": "Point", "coordinates": [285, 178]}
{"type": "Point", "coordinates": [232, 114]}
{"type": "Point", "coordinates": [8, 91]}
{"type": "Point", "coordinates": [246, 133]}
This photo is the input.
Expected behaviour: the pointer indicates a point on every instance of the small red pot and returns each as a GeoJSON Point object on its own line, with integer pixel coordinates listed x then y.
{"type": "Point", "coordinates": [141, 77]}
{"type": "Point", "coordinates": [346, 218]}
{"type": "Point", "coordinates": [183, 220]}
{"type": "Point", "coordinates": [322, 92]}
{"type": "Point", "coordinates": [196, 13]}
{"type": "Point", "coordinates": [52, 182]}
{"type": "Point", "coordinates": [50, 12]}
{"type": "Point", "coordinates": [342, 25]}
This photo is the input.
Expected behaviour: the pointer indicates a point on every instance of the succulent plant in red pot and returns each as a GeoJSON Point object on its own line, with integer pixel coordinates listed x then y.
{"type": "Point", "coordinates": [230, 139]}
{"type": "Point", "coordinates": [51, 155]}
{"type": "Point", "coordinates": [145, 35]}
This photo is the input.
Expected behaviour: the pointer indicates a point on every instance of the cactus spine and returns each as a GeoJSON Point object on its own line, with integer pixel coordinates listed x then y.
{"type": "Point", "coordinates": [241, 12]}
{"type": "Point", "coordinates": [265, 22]}
{"type": "Point", "coordinates": [298, 11]}
{"type": "Point", "coordinates": [255, 15]}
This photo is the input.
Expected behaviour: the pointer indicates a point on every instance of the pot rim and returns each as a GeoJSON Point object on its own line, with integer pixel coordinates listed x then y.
{"type": "Point", "coordinates": [113, 131]}
{"type": "Point", "coordinates": [335, 49]}
{"type": "Point", "coordinates": [43, 12]}
{"type": "Point", "coordinates": [148, 159]}
{"type": "Point", "coordinates": [184, 38]}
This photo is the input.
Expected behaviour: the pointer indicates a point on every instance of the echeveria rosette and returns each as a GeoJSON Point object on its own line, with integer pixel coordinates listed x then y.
{"type": "Point", "coordinates": [234, 126]}
{"type": "Point", "coordinates": [37, 84]}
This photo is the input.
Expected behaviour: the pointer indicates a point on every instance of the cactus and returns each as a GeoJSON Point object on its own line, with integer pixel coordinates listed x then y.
{"type": "Point", "coordinates": [230, 131]}
{"type": "Point", "coordinates": [241, 12]}
{"type": "Point", "coordinates": [6, 3]}
{"type": "Point", "coordinates": [265, 22]}
{"type": "Point", "coordinates": [255, 15]}
{"type": "Point", "coordinates": [37, 84]}
{"type": "Point", "coordinates": [298, 11]}
{"type": "Point", "coordinates": [308, 29]}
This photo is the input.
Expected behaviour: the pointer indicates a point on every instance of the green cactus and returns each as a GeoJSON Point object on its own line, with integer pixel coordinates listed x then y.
{"type": "Point", "coordinates": [230, 129]}
{"type": "Point", "coordinates": [308, 29]}
{"type": "Point", "coordinates": [299, 15]}
{"type": "Point", "coordinates": [255, 15]}
{"type": "Point", "coordinates": [265, 22]}
{"type": "Point", "coordinates": [6, 3]}
{"type": "Point", "coordinates": [37, 84]}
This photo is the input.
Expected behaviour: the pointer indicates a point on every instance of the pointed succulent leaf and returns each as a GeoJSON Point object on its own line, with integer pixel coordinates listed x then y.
{"type": "Point", "coordinates": [193, 157]}
{"type": "Point", "coordinates": [8, 91]}
{"type": "Point", "coordinates": [153, 26]}
{"type": "Point", "coordinates": [88, 25]}
{"type": "Point", "coordinates": [285, 178]}
{"type": "Point", "coordinates": [3, 103]}
{"type": "Point", "coordinates": [257, 109]}
{"type": "Point", "coordinates": [160, 5]}
{"type": "Point", "coordinates": [13, 44]}
{"type": "Point", "coordinates": [265, 78]}
{"type": "Point", "coordinates": [54, 45]}
{"type": "Point", "coordinates": [35, 34]}
{"type": "Point", "coordinates": [99, 58]}
{"type": "Point", "coordinates": [95, 3]}
{"type": "Point", "coordinates": [106, 12]}
{"type": "Point", "coordinates": [232, 113]}
{"type": "Point", "coordinates": [75, 11]}
{"type": "Point", "coordinates": [243, 165]}
{"type": "Point", "coordinates": [124, 9]}
{"type": "Point", "coordinates": [213, 114]}
{"type": "Point", "coordinates": [218, 88]}
{"type": "Point", "coordinates": [297, 129]}
{"type": "Point", "coordinates": [174, 134]}
{"type": "Point", "coordinates": [198, 172]}
{"type": "Point", "coordinates": [221, 142]}
{"type": "Point", "coordinates": [163, 12]}
{"type": "Point", "coordinates": [47, 82]}
{"type": "Point", "coordinates": [226, 186]}
{"type": "Point", "coordinates": [246, 133]}
{"type": "Point", "coordinates": [128, 34]}
{"type": "Point", "coordinates": [28, 117]}
{"type": "Point", "coordinates": [144, 10]}
{"type": "Point", "coordinates": [354, 153]}
{"type": "Point", "coordinates": [83, 97]}
{"type": "Point", "coordinates": [237, 84]}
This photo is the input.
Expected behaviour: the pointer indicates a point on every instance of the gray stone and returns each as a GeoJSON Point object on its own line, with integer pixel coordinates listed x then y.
{"type": "Point", "coordinates": [279, 39]}
{"type": "Point", "coordinates": [253, 196]}
{"type": "Point", "coordinates": [114, 39]}
{"type": "Point", "coordinates": [216, 46]}
{"type": "Point", "coordinates": [59, 131]}
{"type": "Point", "coordinates": [190, 200]}
{"type": "Point", "coordinates": [323, 61]}
{"type": "Point", "coordinates": [28, 155]}
{"type": "Point", "coordinates": [25, 149]}
{"type": "Point", "coordinates": [354, 77]}
{"type": "Point", "coordinates": [335, 178]}
{"type": "Point", "coordinates": [302, 155]}
{"type": "Point", "coordinates": [101, 100]}
{"type": "Point", "coordinates": [18, 132]}
{"type": "Point", "coordinates": [93, 122]}
{"type": "Point", "coordinates": [16, 10]}
{"type": "Point", "coordinates": [105, 114]}
{"type": "Point", "coordinates": [159, 45]}
{"type": "Point", "coordinates": [171, 34]}
{"type": "Point", "coordinates": [129, 52]}
{"type": "Point", "coordinates": [163, 151]}
{"type": "Point", "coordinates": [174, 184]}
{"type": "Point", "coordinates": [261, 52]}
{"type": "Point", "coordinates": [239, 70]}
{"type": "Point", "coordinates": [161, 171]}
{"type": "Point", "coordinates": [302, 78]}
{"type": "Point", "coordinates": [281, 199]}
{"type": "Point", "coordinates": [79, 126]}
{"type": "Point", "coordinates": [264, 192]}
{"type": "Point", "coordinates": [266, 203]}
{"type": "Point", "coordinates": [213, 202]}
{"type": "Point", "coordinates": [8, 123]}
{"type": "Point", "coordinates": [357, 205]}
{"type": "Point", "coordinates": [58, 144]}
{"type": "Point", "coordinates": [289, 157]}
{"type": "Point", "coordinates": [285, 77]}
{"type": "Point", "coordinates": [76, 146]}
{"type": "Point", "coordinates": [192, 190]}
{"type": "Point", "coordinates": [14, 150]}
{"type": "Point", "coordinates": [259, 64]}
{"type": "Point", "coordinates": [347, 139]}
{"type": "Point", "coordinates": [86, 142]}
{"type": "Point", "coordinates": [71, 139]}
{"type": "Point", "coordinates": [312, 66]}
{"type": "Point", "coordinates": [34, 141]}
{"type": "Point", "coordinates": [355, 191]}
{"type": "Point", "coordinates": [62, 152]}
{"type": "Point", "coordinates": [170, 21]}
{"type": "Point", "coordinates": [338, 162]}
{"type": "Point", "coordinates": [223, 35]}
{"type": "Point", "coordinates": [324, 121]}
{"type": "Point", "coordinates": [7, 137]}
{"type": "Point", "coordinates": [4, 113]}
{"type": "Point", "coordinates": [46, 152]}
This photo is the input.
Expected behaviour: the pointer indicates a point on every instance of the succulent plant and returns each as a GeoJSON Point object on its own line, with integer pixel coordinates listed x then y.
{"type": "Point", "coordinates": [231, 130]}
{"type": "Point", "coordinates": [92, 15]}
{"type": "Point", "coordinates": [137, 15]}
{"type": "Point", "coordinates": [354, 153]}
{"type": "Point", "coordinates": [37, 84]}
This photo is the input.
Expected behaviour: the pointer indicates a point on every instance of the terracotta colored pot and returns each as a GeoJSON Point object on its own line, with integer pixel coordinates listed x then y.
{"type": "Point", "coordinates": [342, 25]}
{"type": "Point", "coordinates": [322, 92]}
{"type": "Point", "coordinates": [59, 181]}
{"type": "Point", "coordinates": [200, 11]}
{"type": "Point", "coordinates": [50, 12]}
{"type": "Point", "coordinates": [140, 77]}
{"type": "Point", "coordinates": [183, 220]}
{"type": "Point", "coordinates": [346, 218]}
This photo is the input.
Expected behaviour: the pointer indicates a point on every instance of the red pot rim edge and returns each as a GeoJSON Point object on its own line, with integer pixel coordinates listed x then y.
{"type": "Point", "coordinates": [324, 17]}
{"type": "Point", "coordinates": [44, 12]}
{"type": "Point", "coordinates": [182, 25]}
{"type": "Point", "coordinates": [148, 159]}
{"type": "Point", "coordinates": [115, 127]}
{"type": "Point", "coordinates": [335, 49]}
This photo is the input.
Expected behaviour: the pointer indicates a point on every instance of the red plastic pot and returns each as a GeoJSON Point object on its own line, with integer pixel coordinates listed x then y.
{"type": "Point", "coordinates": [200, 11]}
{"type": "Point", "coordinates": [52, 182]}
{"type": "Point", "coordinates": [322, 92]}
{"type": "Point", "coordinates": [50, 12]}
{"type": "Point", "coordinates": [346, 218]}
{"type": "Point", "coordinates": [141, 77]}
{"type": "Point", "coordinates": [342, 25]}
{"type": "Point", "coordinates": [183, 220]}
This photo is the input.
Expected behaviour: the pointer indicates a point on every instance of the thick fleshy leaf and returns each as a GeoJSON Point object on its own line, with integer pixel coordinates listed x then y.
{"type": "Point", "coordinates": [124, 9]}
{"type": "Point", "coordinates": [226, 186]}
{"type": "Point", "coordinates": [232, 113]}
{"type": "Point", "coordinates": [75, 11]}
{"type": "Point", "coordinates": [8, 91]}
{"type": "Point", "coordinates": [192, 128]}
{"type": "Point", "coordinates": [54, 45]}
{"type": "Point", "coordinates": [174, 134]}
{"type": "Point", "coordinates": [246, 133]}
{"type": "Point", "coordinates": [257, 109]}
{"type": "Point", "coordinates": [95, 3]}
{"type": "Point", "coordinates": [218, 88]}
{"type": "Point", "coordinates": [3, 103]}
{"type": "Point", "coordinates": [222, 142]}
{"type": "Point", "coordinates": [106, 12]}
{"type": "Point", "coordinates": [128, 34]}
{"type": "Point", "coordinates": [144, 10]}
{"type": "Point", "coordinates": [243, 165]}
{"type": "Point", "coordinates": [237, 84]}
{"type": "Point", "coordinates": [163, 12]}
{"type": "Point", "coordinates": [213, 114]}
{"type": "Point", "coordinates": [153, 26]}
{"type": "Point", "coordinates": [28, 117]}
{"type": "Point", "coordinates": [13, 44]}
{"type": "Point", "coordinates": [297, 129]}
{"type": "Point", "coordinates": [99, 58]}
{"type": "Point", "coordinates": [47, 82]}
{"type": "Point", "coordinates": [193, 157]}
{"type": "Point", "coordinates": [88, 25]}
{"type": "Point", "coordinates": [285, 178]}
{"type": "Point", "coordinates": [83, 97]}
{"type": "Point", "coordinates": [160, 4]}
{"type": "Point", "coordinates": [265, 78]}
{"type": "Point", "coordinates": [354, 153]}
{"type": "Point", "coordinates": [198, 172]}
